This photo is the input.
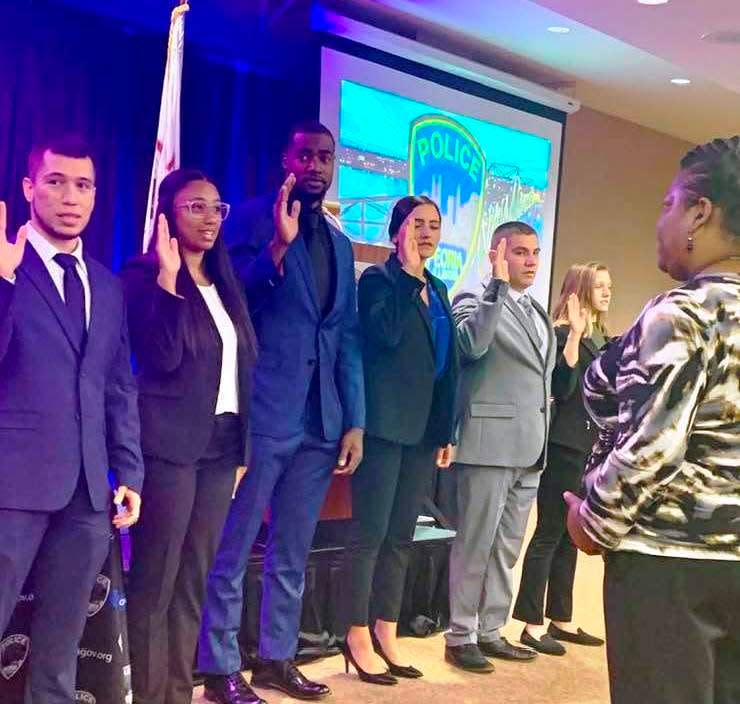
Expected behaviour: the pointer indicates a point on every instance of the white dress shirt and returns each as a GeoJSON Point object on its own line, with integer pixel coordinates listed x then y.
{"type": "Point", "coordinates": [47, 251]}
{"type": "Point", "coordinates": [228, 387]}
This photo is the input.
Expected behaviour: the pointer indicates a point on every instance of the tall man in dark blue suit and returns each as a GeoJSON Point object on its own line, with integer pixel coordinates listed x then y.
{"type": "Point", "coordinates": [308, 411]}
{"type": "Point", "coordinates": [67, 414]}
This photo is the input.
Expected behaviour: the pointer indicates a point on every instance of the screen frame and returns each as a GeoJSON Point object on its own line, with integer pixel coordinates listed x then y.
{"type": "Point", "coordinates": [458, 83]}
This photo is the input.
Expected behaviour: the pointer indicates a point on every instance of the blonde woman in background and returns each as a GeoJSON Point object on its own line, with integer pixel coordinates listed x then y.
{"type": "Point", "coordinates": [550, 562]}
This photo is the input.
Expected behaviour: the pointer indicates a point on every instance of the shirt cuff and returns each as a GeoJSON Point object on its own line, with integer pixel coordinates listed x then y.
{"type": "Point", "coordinates": [9, 280]}
{"type": "Point", "coordinates": [594, 527]}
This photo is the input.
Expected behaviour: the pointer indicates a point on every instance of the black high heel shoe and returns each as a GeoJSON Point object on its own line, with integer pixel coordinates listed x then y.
{"type": "Point", "coordinates": [408, 671]}
{"type": "Point", "coordinates": [385, 678]}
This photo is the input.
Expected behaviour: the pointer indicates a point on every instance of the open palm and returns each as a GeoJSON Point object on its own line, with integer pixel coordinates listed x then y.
{"type": "Point", "coordinates": [11, 253]}
{"type": "Point", "coordinates": [168, 250]}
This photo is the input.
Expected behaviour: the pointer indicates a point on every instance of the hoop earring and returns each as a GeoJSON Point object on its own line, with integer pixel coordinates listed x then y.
{"type": "Point", "coordinates": [690, 243]}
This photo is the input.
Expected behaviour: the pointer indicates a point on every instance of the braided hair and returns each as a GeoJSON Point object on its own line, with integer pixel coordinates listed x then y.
{"type": "Point", "coordinates": [712, 171]}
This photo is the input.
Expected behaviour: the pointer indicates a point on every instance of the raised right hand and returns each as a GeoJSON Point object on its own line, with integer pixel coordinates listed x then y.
{"type": "Point", "coordinates": [168, 249]}
{"type": "Point", "coordinates": [168, 253]}
{"type": "Point", "coordinates": [498, 259]}
{"type": "Point", "coordinates": [408, 248]}
{"type": "Point", "coordinates": [285, 220]}
{"type": "Point", "coordinates": [11, 253]}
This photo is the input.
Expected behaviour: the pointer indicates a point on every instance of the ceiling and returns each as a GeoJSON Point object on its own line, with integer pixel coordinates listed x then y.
{"type": "Point", "coordinates": [618, 57]}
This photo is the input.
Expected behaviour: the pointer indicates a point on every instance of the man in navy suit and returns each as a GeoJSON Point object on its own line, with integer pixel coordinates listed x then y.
{"type": "Point", "coordinates": [67, 414]}
{"type": "Point", "coordinates": [308, 411]}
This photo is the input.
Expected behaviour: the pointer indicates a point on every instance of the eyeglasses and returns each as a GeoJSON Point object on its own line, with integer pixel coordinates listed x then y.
{"type": "Point", "coordinates": [199, 209]}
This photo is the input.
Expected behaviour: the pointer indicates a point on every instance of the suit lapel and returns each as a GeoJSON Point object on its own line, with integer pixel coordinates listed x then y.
{"type": "Point", "coordinates": [37, 272]}
{"type": "Point", "coordinates": [97, 302]}
{"type": "Point", "coordinates": [526, 323]}
{"type": "Point", "coordinates": [339, 267]}
{"type": "Point", "coordinates": [551, 341]}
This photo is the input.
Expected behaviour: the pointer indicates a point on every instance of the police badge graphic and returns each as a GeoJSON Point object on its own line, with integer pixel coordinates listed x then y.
{"type": "Point", "coordinates": [84, 697]}
{"type": "Point", "coordinates": [99, 595]}
{"type": "Point", "coordinates": [447, 164]}
{"type": "Point", "coordinates": [13, 653]}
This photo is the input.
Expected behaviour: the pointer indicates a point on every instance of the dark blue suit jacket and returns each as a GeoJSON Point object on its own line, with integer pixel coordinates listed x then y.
{"type": "Point", "coordinates": [293, 336]}
{"type": "Point", "coordinates": [62, 408]}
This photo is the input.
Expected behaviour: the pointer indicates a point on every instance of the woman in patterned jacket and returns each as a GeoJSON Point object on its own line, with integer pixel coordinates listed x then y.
{"type": "Point", "coordinates": [663, 486]}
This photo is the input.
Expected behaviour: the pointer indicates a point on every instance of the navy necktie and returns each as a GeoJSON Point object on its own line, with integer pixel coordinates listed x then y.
{"type": "Point", "coordinates": [74, 295]}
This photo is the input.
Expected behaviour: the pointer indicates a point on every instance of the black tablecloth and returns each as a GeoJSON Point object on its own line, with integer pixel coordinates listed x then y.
{"type": "Point", "coordinates": [103, 666]}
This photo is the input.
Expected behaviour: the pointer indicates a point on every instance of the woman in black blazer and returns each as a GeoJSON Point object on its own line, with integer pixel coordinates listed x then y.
{"type": "Point", "coordinates": [410, 362]}
{"type": "Point", "coordinates": [550, 560]}
{"type": "Point", "coordinates": [194, 350]}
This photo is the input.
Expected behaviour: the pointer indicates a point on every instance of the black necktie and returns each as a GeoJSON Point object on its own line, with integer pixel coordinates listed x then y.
{"type": "Point", "coordinates": [320, 262]}
{"type": "Point", "coordinates": [74, 295]}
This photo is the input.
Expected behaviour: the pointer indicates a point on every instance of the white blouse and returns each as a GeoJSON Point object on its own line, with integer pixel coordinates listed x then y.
{"type": "Point", "coordinates": [228, 387]}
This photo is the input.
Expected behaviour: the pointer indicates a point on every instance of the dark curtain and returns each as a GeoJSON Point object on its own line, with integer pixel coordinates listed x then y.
{"type": "Point", "coordinates": [63, 71]}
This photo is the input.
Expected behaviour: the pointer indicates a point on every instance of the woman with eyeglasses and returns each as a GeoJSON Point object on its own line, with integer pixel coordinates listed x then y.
{"type": "Point", "coordinates": [194, 347]}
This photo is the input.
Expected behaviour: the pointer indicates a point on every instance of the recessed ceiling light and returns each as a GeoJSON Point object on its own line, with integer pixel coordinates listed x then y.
{"type": "Point", "coordinates": [556, 29]}
{"type": "Point", "coordinates": [680, 81]}
{"type": "Point", "coordinates": [653, 2]}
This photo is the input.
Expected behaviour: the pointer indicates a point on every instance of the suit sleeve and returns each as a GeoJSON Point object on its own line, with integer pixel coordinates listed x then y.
{"type": "Point", "coordinates": [564, 377]}
{"type": "Point", "coordinates": [384, 302]}
{"type": "Point", "coordinates": [156, 321]}
{"type": "Point", "coordinates": [248, 243]}
{"type": "Point", "coordinates": [476, 319]}
{"type": "Point", "coordinates": [350, 375]}
{"type": "Point", "coordinates": [122, 416]}
{"type": "Point", "coordinates": [7, 295]}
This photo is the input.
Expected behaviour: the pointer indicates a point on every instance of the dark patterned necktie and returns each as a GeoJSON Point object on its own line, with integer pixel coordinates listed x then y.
{"type": "Point", "coordinates": [74, 295]}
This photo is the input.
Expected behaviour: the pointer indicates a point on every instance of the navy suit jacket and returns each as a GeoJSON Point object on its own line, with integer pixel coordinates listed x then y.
{"type": "Point", "coordinates": [63, 409]}
{"type": "Point", "coordinates": [292, 335]}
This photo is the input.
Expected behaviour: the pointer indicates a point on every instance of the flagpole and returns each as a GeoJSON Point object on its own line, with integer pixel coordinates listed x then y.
{"type": "Point", "coordinates": [167, 145]}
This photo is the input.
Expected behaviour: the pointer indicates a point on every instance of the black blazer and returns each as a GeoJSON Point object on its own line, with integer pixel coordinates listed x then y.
{"type": "Point", "coordinates": [177, 389]}
{"type": "Point", "coordinates": [572, 426]}
{"type": "Point", "coordinates": [404, 402]}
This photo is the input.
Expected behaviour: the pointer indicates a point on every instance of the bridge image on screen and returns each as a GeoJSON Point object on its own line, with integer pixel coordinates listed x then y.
{"type": "Point", "coordinates": [480, 173]}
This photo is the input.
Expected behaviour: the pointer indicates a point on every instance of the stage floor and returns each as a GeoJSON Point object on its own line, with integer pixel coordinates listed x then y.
{"type": "Point", "coordinates": [580, 677]}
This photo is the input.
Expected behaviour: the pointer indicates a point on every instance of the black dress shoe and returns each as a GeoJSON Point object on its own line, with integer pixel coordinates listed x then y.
{"type": "Point", "coordinates": [385, 677]}
{"type": "Point", "coordinates": [468, 657]}
{"type": "Point", "coordinates": [230, 689]}
{"type": "Point", "coordinates": [580, 637]}
{"type": "Point", "coordinates": [544, 644]}
{"type": "Point", "coordinates": [284, 676]}
{"type": "Point", "coordinates": [505, 650]}
{"type": "Point", "coordinates": [408, 671]}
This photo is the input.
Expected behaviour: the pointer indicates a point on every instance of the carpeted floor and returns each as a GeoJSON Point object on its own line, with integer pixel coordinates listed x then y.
{"type": "Point", "coordinates": [579, 677]}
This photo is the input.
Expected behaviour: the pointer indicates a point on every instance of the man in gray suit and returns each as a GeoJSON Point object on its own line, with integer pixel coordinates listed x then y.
{"type": "Point", "coordinates": [508, 352]}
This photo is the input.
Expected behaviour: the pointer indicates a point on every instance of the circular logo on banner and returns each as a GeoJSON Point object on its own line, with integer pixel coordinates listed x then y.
{"type": "Point", "coordinates": [85, 697]}
{"type": "Point", "coordinates": [447, 164]}
{"type": "Point", "coordinates": [99, 595]}
{"type": "Point", "coordinates": [13, 653]}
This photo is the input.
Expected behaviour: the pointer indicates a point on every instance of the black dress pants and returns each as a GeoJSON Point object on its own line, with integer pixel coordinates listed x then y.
{"type": "Point", "coordinates": [550, 560]}
{"type": "Point", "coordinates": [174, 544]}
{"type": "Point", "coordinates": [388, 491]}
{"type": "Point", "coordinates": [672, 629]}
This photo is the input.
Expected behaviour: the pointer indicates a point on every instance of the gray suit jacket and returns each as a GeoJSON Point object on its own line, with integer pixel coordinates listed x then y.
{"type": "Point", "coordinates": [504, 411]}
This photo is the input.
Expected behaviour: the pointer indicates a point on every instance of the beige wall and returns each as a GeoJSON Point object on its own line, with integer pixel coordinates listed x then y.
{"type": "Point", "coordinates": [613, 180]}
